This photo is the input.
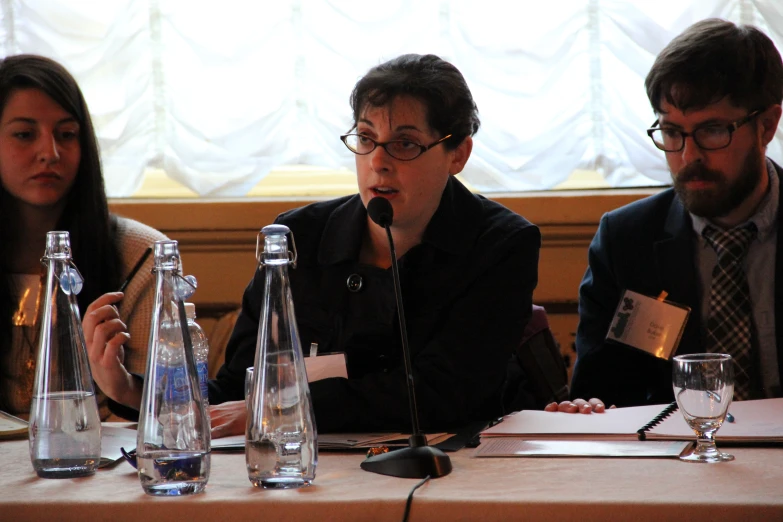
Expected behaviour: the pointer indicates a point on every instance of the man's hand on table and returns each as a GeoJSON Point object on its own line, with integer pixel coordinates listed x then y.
{"type": "Point", "coordinates": [578, 406]}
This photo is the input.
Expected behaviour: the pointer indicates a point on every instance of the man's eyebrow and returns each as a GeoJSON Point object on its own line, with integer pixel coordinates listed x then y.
{"type": "Point", "coordinates": [710, 121]}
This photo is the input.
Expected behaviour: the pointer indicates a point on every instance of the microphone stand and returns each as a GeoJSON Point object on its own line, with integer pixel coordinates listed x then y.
{"type": "Point", "coordinates": [418, 460]}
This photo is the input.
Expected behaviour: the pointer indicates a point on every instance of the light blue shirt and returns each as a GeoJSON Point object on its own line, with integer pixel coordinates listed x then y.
{"type": "Point", "coordinates": [759, 266]}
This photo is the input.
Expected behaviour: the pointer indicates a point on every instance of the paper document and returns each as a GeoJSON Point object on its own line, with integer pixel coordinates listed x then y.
{"type": "Point", "coordinates": [513, 447]}
{"type": "Point", "coordinates": [12, 427]}
{"type": "Point", "coordinates": [368, 440]}
{"type": "Point", "coordinates": [325, 366]}
{"type": "Point", "coordinates": [614, 424]}
{"type": "Point", "coordinates": [337, 441]}
{"type": "Point", "coordinates": [758, 421]}
{"type": "Point", "coordinates": [112, 439]}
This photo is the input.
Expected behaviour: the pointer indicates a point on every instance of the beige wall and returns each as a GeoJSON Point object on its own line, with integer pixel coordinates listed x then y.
{"type": "Point", "coordinates": [218, 238]}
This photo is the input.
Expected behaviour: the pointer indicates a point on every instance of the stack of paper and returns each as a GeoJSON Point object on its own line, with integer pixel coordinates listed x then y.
{"type": "Point", "coordinates": [340, 441]}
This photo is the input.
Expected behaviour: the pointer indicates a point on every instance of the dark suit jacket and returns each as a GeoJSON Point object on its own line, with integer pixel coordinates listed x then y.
{"type": "Point", "coordinates": [646, 247]}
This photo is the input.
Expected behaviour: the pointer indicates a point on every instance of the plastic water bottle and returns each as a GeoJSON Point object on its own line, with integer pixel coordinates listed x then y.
{"type": "Point", "coordinates": [200, 351]}
{"type": "Point", "coordinates": [173, 446]}
{"type": "Point", "coordinates": [281, 449]}
{"type": "Point", "coordinates": [65, 430]}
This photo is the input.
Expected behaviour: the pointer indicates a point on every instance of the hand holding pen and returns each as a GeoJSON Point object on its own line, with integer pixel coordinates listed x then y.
{"type": "Point", "coordinates": [105, 335]}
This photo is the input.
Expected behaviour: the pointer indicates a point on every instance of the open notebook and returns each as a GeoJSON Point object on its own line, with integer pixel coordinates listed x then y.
{"type": "Point", "coordinates": [755, 421]}
{"type": "Point", "coordinates": [758, 421]}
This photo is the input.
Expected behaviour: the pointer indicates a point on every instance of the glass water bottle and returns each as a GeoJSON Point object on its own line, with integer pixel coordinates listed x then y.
{"type": "Point", "coordinates": [65, 430]}
{"type": "Point", "coordinates": [281, 442]}
{"type": "Point", "coordinates": [173, 443]}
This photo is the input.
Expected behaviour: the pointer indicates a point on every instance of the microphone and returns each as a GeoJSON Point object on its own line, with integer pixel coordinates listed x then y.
{"type": "Point", "coordinates": [381, 212]}
{"type": "Point", "coordinates": [418, 460]}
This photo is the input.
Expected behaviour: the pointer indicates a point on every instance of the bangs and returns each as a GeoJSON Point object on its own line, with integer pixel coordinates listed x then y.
{"type": "Point", "coordinates": [687, 97]}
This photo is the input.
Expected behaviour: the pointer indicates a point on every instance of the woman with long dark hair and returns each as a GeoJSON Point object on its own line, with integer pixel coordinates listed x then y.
{"type": "Point", "coordinates": [50, 179]}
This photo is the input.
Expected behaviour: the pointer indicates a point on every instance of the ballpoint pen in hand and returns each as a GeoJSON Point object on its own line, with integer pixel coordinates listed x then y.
{"type": "Point", "coordinates": [135, 269]}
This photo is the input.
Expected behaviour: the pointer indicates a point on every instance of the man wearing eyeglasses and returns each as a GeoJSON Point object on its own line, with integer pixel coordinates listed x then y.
{"type": "Point", "coordinates": [711, 242]}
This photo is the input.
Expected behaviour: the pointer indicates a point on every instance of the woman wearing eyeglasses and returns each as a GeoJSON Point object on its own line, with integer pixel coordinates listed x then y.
{"type": "Point", "coordinates": [468, 267]}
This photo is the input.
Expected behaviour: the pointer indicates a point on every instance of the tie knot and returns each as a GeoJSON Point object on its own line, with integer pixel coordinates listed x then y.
{"type": "Point", "coordinates": [733, 243]}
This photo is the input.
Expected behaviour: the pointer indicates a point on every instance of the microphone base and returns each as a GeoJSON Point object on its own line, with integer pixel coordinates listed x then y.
{"type": "Point", "coordinates": [413, 462]}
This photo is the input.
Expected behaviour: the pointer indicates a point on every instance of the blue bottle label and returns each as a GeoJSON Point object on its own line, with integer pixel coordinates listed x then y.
{"type": "Point", "coordinates": [180, 381]}
{"type": "Point", "coordinates": [203, 377]}
{"type": "Point", "coordinates": [176, 391]}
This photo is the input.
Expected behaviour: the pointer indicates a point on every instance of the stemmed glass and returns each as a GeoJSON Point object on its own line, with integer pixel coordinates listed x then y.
{"type": "Point", "coordinates": [704, 387]}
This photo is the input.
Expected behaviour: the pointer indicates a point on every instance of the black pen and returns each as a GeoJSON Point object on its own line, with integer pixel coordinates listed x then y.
{"type": "Point", "coordinates": [135, 269]}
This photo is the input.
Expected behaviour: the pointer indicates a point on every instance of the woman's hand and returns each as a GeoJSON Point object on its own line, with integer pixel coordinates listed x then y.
{"type": "Point", "coordinates": [105, 335]}
{"type": "Point", "coordinates": [228, 418]}
{"type": "Point", "coordinates": [578, 406]}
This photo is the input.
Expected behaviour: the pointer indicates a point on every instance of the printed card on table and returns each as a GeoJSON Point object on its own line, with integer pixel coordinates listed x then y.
{"type": "Point", "coordinates": [651, 325]}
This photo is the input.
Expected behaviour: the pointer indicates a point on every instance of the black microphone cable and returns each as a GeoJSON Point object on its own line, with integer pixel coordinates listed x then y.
{"type": "Point", "coordinates": [410, 498]}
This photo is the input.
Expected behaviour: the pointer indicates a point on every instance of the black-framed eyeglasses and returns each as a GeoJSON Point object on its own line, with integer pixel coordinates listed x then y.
{"type": "Point", "coordinates": [405, 150]}
{"type": "Point", "coordinates": [707, 137]}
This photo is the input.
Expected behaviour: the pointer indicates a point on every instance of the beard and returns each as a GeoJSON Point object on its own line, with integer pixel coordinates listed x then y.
{"type": "Point", "coordinates": [725, 195]}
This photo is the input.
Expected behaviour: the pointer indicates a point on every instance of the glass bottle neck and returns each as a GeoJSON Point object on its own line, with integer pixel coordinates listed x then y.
{"type": "Point", "coordinates": [167, 256]}
{"type": "Point", "coordinates": [275, 250]}
{"type": "Point", "coordinates": [58, 245]}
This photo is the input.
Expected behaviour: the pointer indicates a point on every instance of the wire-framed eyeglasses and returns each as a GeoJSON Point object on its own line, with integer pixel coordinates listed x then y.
{"type": "Point", "coordinates": [405, 150]}
{"type": "Point", "coordinates": [707, 137]}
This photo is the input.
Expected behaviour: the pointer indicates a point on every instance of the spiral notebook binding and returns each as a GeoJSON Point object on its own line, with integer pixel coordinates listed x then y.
{"type": "Point", "coordinates": [668, 410]}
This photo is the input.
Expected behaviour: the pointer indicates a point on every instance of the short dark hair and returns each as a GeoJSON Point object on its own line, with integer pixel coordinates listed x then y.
{"type": "Point", "coordinates": [429, 78]}
{"type": "Point", "coordinates": [713, 59]}
{"type": "Point", "coordinates": [86, 212]}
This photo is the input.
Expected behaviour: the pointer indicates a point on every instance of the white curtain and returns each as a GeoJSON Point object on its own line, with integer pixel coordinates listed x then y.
{"type": "Point", "coordinates": [219, 93]}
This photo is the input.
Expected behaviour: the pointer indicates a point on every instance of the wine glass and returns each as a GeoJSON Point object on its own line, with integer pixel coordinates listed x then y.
{"type": "Point", "coordinates": [704, 387]}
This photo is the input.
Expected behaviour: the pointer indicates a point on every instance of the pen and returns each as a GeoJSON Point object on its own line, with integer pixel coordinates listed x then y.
{"type": "Point", "coordinates": [729, 417]}
{"type": "Point", "coordinates": [135, 269]}
{"type": "Point", "coordinates": [130, 456]}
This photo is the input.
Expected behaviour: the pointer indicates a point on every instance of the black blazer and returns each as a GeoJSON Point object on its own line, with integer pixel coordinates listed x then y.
{"type": "Point", "coordinates": [467, 290]}
{"type": "Point", "coordinates": [646, 247]}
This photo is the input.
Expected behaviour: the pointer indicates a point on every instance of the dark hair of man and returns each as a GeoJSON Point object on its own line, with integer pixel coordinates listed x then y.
{"type": "Point", "coordinates": [714, 59]}
{"type": "Point", "coordinates": [86, 212]}
{"type": "Point", "coordinates": [435, 82]}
